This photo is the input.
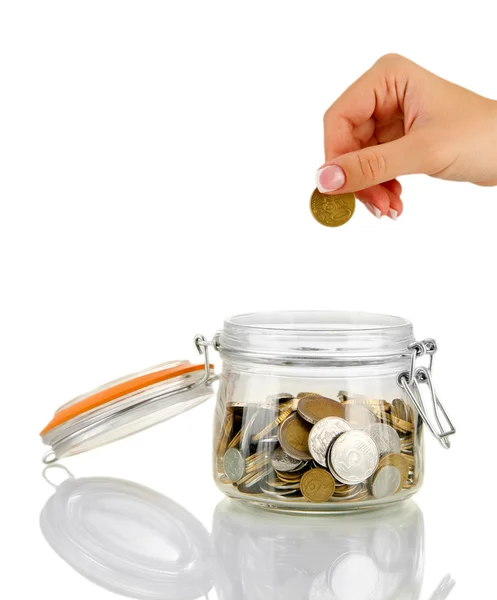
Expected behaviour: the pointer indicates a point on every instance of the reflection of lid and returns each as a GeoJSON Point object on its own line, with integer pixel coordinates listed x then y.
{"type": "Point", "coordinates": [128, 405]}
{"type": "Point", "coordinates": [129, 539]}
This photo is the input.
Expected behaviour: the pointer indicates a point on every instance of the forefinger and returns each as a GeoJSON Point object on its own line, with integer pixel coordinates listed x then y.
{"type": "Point", "coordinates": [348, 123]}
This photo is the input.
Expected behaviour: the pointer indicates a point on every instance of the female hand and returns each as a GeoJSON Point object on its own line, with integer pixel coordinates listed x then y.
{"type": "Point", "coordinates": [399, 119]}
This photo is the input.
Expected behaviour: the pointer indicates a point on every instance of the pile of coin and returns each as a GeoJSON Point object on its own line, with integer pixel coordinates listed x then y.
{"type": "Point", "coordinates": [312, 448]}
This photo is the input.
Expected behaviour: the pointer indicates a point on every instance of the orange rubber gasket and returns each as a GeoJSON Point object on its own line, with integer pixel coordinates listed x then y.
{"type": "Point", "coordinates": [117, 391]}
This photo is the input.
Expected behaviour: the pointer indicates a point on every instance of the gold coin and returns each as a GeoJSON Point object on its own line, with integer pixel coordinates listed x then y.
{"type": "Point", "coordinates": [313, 408]}
{"type": "Point", "coordinates": [283, 415]}
{"type": "Point", "coordinates": [317, 485]}
{"type": "Point", "coordinates": [402, 426]}
{"type": "Point", "coordinates": [332, 211]}
{"type": "Point", "coordinates": [293, 435]}
{"type": "Point", "coordinates": [399, 461]}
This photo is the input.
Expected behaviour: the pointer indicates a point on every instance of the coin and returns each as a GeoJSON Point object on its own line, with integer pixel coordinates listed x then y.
{"type": "Point", "coordinates": [402, 426]}
{"type": "Point", "coordinates": [262, 417]}
{"type": "Point", "coordinates": [234, 465]}
{"type": "Point", "coordinates": [396, 460]}
{"type": "Point", "coordinates": [281, 397]}
{"type": "Point", "coordinates": [323, 434]}
{"type": "Point", "coordinates": [353, 457]}
{"type": "Point", "coordinates": [359, 417]}
{"type": "Point", "coordinates": [225, 434]}
{"type": "Point", "coordinates": [387, 482]}
{"type": "Point", "coordinates": [294, 437]}
{"type": "Point", "coordinates": [314, 408]}
{"type": "Point", "coordinates": [378, 406]}
{"type": "Point", "coordinates": [385, 437]}
{"type": "Point", "coordinates": [282, 462]}
{"type": "Point", "coordinates": [291, 403]}
{"type": "Point", "coordinates": [317, 485]}
{"type": "Point", "coordinates": [269, 428]}
{"type": "Point", "coordinates": [332, 211]}
{"type": "Point", "coordinates": [399, 409]}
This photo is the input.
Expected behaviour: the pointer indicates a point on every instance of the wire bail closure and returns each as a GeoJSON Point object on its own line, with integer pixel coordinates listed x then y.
{"type": "Point", "coordinates": [413, 380]}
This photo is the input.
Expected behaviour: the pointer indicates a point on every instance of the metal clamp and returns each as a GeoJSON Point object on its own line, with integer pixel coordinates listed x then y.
{"type": "Point", "coordinates": [203, 346]}
{"type": "Point", "coordinates": [412, 381]}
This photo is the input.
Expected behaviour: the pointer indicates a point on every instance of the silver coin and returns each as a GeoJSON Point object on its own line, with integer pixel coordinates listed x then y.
{"type": "Point", "coordinates": [358, 416]}
{"type": "Point", "coordinates": [300, 467]}
{"type": "Point", "coordinates": [284, 463]}
{"type": "Point", "coordinates": [283, 494]}
{"type": "Point", "coordinates": [234, 465]}
{"type": "Point", "coordinates": [385, 437]}
{"type": "Point", "coordinates": [386, 482]}
{"type": "Point", "coordinates": [323, 434]}
{"type": "Point", "coordinates": [268, 441]}
{"type": "Point", "coordinates": [353, 457]}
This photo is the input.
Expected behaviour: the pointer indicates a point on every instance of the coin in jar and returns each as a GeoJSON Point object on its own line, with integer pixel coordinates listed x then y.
{"type": "Point", "coordinates": [332, 211]}
{"type": "Point", "coordinates": [359, 417]}
{"type": "Point", "coordinates": [353, 457]}
{"type": "Point", "coordinates": [294, 437]}
{"type": "Point", "coordinates": [385, 437]}
{"type": "Point", "coordinates": [317, 485]}
{"type": "Point", "coordinates": [399, 461]}
{"type": "Point", "coordinates": [281, 461]}
{"type": "Point", "coordinates": [323, 434]}
{"type": "Point", "coordinates": [386, 482]}
{"type": "Point", "coordinates": [234, 465]}
{"type": "Point", "coordinates": [314, 408]}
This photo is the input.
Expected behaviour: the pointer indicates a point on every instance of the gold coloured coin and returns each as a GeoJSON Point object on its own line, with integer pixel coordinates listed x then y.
{"type": "Point", "coordinates": [314, 408]}
{"type": "Point", "coordinates": [293, 435]}
{"type": "Point", "coordinates": [402, 426]}
{"type": "Point", "coordinates": [317, 485]}
{"type": "Point", "coordinates": [286, 413]}
{"type": "Point", "coordinates": [399, 461]}
{"type": "Point", "coordinates": [332, 211]}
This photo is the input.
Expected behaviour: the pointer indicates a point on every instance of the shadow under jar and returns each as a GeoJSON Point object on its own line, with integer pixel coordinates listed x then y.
{"type": "Point", "coordinates": [320, 411]}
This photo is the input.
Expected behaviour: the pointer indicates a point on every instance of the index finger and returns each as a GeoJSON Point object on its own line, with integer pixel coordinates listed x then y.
{"type": "Point", "coordinates": [349, 123]}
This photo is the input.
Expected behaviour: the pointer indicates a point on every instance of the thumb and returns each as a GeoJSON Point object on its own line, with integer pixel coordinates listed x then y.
{"type": "Point", "coordinates": [364, 168]}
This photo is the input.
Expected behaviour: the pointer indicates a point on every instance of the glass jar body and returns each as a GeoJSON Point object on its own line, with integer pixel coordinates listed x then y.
{"type": "Point", "coordinates": [316, 437]}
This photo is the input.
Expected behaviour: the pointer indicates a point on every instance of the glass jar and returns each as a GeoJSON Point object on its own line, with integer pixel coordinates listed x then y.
{"type": "Point", "coordinates": [322, 411]}
{"type": "Point", "coordinates": [316, 411]}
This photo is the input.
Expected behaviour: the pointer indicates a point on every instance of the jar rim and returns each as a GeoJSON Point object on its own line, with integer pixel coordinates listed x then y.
{"type": "Point", "coordinates": [315, 335]}
{"type": "Point", "coordinates": [317, 320]}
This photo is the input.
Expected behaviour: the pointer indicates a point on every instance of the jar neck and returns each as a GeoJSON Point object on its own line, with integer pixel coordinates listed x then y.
{"type": "Point", "coordinates": [320, 338]}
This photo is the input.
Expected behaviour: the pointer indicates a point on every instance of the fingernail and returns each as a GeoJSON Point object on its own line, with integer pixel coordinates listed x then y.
{"type": "Point", "coordinates": [330, 178]}
{"type": "Point", "coordinates": [373, 210]}
{"type": "Point", "coordinates": [393, 214]}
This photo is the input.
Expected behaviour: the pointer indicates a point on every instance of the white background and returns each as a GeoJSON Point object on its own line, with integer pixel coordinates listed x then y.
{"type": "Point", "coordinates": [156, 164]}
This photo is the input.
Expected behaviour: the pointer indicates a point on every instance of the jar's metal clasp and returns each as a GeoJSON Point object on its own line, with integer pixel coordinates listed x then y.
{"type": "Point", "coordinates": [412, 382]}
{"type": "Point", "coordinates": [203, 345]}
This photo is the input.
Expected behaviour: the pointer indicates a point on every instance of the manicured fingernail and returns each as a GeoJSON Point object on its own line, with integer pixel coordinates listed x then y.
{"type": "Point", "coordinates": [330, 178]}
{"type": "Point", "coordinates": [373, 210]}
{"type": "Point", "coordinates": [393, 214]}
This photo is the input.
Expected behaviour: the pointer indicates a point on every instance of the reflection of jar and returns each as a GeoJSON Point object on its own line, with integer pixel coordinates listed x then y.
{"type": "Point", "coordinates": [320, 411]}
{"type": "Point", "coordinates": [134, 541]}
{"type": "Point", "coordinates": [370, 556]}
{"type": "Point", "coordinates": [316, 411]}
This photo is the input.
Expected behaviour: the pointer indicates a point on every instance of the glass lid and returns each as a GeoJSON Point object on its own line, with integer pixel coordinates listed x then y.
{"type": "Point", "coordinates": [128, 405]}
